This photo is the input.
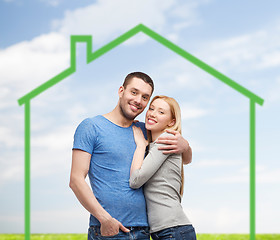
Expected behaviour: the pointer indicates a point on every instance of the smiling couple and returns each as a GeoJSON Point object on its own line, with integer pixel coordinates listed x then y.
{"type": "Point", "coordinates": [134, 192]}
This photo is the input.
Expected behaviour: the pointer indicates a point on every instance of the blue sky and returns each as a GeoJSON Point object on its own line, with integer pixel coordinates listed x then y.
{"type": "Point", "coordinates": [241, 39]}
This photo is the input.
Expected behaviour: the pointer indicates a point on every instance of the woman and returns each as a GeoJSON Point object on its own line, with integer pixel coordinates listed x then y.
{"type": "Point", "coordinates": [162, 174]}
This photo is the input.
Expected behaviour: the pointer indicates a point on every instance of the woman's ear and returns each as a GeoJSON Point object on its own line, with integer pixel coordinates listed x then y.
{"type": "Point", "coordinates": [172, 122]}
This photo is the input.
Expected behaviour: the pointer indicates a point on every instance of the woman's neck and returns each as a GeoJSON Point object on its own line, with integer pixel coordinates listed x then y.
{"type": "Point", "coordinates": [155, 135]}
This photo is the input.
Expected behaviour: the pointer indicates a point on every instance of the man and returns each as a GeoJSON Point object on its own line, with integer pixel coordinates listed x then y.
{"type": "Point", "coordinates": [103, 149]}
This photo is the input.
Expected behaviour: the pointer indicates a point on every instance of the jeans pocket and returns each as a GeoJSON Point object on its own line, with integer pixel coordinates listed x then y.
{"type": "Point", "coordinates": [187, 232]}
{"type": "Point", "coordinates": [94, 234]}
{"type": "Point", "coordinates": [144, 232]}
{"type": "Point", "coordinates": [167, 233]}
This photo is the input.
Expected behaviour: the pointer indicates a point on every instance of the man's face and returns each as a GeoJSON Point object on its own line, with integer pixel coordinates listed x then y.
{"type": "Point", "coordinates": [134, 98]}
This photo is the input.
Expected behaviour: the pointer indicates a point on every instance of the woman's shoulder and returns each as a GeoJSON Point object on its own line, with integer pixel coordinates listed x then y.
{"type": "Point", "coordinates": [164, 134]}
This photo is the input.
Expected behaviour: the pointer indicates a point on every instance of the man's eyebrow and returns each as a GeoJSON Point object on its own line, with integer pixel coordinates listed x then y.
{"type": "Point", "coordinates": [137, 90]}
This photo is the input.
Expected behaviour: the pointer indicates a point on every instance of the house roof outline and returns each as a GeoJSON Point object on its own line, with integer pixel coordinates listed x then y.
{"type": "Point", "coordinates": [91, 56]}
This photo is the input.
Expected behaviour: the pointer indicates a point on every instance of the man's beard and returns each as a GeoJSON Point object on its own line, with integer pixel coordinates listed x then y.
{"type": "Point", "coordinates": [126, 115]}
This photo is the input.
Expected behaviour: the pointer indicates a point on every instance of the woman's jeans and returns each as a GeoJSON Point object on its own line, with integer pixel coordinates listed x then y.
{"type": "Point", "coordinates": [185, 232]}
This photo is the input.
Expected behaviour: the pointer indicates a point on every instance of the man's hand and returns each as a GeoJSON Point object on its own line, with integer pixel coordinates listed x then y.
{"type": "Point", "coordinates": [176, 144]}
{"type": "Point", "coordinates": [111, 227]}
{"type": "Point", "coordinates": [173, 144]}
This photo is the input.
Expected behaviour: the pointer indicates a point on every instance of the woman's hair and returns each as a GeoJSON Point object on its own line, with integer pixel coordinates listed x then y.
{"type": "Point", "coordinates": [176, 115]}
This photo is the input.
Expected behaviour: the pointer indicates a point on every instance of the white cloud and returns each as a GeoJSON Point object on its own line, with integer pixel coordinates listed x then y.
{"type": "Point", "coordinates": [223, 220]}
{"type": "Point", "coordinates": [218, 162]}
{"type": "Point", "coordinates": [253, 57]}
{"type": "Point", "coordinates": [187, 13]}
{"type": "Point", "coordinates": [13, 172]}
{"type": "Point", "coordinates": [9, 137]}
{"type": "Point", "coordinates": [94, 19]}
{"type": "Point", "coordinates": [12, 164]}
{"type": "Point", "coordinates": [233, 178]}
{"type": "Point", "coordinates": [190, 112]}
{"type": "Point", "coordinates": [175, 73]}
{"type": "Point", "coordinates": [50, 220]}
{"type": "Point", "coordinates": [264, 174]}
{"type": "Point", "coordinates": [139, 38]}
{"type": "Point", "coordinates": [36, 61]}
{"type": "Point", "coordinates": [273, 92]}
{"type": "Point", "coordinates": [104, 22]}
{"type": "Point", "coordinates": [12, 223]}
{"type": "Point", "coordinates": [53, 3]}
{"type": "Point", "coordinates": [26, 65]}
{"type": "Point", "coordinates": [257, 50]}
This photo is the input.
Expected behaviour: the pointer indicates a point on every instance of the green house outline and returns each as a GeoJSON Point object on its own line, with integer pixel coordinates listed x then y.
{"type": "Point", "coordinates": [91, 56]}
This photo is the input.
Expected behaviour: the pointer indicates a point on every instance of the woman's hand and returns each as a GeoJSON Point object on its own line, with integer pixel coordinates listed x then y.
{"type": "Point", "coordinates": [139, 137]}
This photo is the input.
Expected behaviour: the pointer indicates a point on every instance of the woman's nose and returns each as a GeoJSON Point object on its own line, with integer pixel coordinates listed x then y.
{"type": "Point", "coordinates": [152, 113]}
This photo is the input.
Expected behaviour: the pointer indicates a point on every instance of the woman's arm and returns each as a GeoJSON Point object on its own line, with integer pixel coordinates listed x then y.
{"type": "Point", "coordinates": [141, 171]}
{"type": "Point", "coordinates": [139, 154]}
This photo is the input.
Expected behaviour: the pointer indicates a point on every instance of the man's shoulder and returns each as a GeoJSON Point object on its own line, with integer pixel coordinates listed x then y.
{"type": "Point", "coordinates": [140, 124]}
{"type": "Point", "coordinates": [89, 123]}
{"type": "Point", "coordinates": [92, 120]}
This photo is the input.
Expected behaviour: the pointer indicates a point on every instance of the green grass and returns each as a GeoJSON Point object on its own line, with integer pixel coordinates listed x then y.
{"type": "Point", "coordinates": [44, 237]}
{"type": "Point", "coordinates": [84, 237]}
{"type": "Point", "coordinates": [237, 237]}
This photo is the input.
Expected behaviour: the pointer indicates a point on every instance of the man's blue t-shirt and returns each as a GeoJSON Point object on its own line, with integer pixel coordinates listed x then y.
{"type": "Point", "coordinates": [112, 148]}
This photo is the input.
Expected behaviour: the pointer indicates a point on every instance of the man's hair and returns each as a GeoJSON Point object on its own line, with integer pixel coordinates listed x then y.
{"type": "Point", "coordinates": [146, 78]}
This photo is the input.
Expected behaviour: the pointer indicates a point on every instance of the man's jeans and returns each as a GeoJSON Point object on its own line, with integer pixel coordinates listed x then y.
{"type": "Point", "coordinates": [134, 234]}
{"type": "Point", "coordinates": [185, 232]}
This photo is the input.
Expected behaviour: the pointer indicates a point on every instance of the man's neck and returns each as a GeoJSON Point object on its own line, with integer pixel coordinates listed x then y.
{"type": "Point", "coordinates": [117, 118]}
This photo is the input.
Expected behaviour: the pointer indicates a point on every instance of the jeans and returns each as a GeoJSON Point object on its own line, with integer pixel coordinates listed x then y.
{"type": "Point", "coordinates": [185, 232]}
{"type": "Point", "coordinates": [134, 234]}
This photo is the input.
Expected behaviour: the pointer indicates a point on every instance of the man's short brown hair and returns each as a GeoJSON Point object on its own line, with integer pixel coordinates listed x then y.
{"type": "Point", "coordinates": [146, 78]}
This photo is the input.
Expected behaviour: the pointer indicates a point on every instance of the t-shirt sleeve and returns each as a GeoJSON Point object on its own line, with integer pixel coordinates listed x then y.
{"type": "Point", "coordinates": [143, 128]}
{"type": "Point", "coordinates": [84, 137]}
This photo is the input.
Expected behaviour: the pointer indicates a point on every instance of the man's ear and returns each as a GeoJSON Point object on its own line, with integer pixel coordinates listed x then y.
{"type": "Point", "coordinates": [121, 90]}
{"type": "Point", "coordinates": [173, 121]}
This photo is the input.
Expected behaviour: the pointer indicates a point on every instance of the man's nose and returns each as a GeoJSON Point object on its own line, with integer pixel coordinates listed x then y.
{"type": "Point", "coordinates": [137, 99]}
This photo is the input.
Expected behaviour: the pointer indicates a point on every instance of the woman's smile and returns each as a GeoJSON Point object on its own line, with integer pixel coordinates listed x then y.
{"type": "Point", "coordinates": [151, 121]}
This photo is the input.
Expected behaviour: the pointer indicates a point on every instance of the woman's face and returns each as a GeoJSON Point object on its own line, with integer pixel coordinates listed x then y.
{"type": "Point", "coordinates": [158, 116]}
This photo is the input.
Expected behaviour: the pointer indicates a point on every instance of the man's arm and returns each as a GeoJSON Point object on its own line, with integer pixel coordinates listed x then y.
{"type": "Point", "coordinates": [176, 144]}
{"type": "Point", "coordinates": [79, 171]}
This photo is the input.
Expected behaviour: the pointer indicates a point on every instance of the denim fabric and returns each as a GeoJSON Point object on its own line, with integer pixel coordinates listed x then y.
{"type": "Point", "coordinates": [143, 234]}
{"type": "Point", "coordinates": [185, 232]}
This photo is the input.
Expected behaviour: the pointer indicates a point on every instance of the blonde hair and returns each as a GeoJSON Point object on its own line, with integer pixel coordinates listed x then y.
{"type": "Point", "coordinates": [176, 115]}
